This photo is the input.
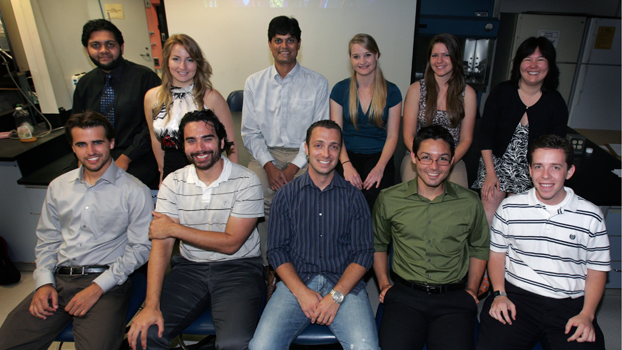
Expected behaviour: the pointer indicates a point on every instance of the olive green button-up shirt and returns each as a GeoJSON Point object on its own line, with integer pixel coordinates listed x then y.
{"type": "Point", "coordinates": [432, 240]}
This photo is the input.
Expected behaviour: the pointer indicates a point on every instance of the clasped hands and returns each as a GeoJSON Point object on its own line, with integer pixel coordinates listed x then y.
{"type": "Point", "coordinates": [319, 310]}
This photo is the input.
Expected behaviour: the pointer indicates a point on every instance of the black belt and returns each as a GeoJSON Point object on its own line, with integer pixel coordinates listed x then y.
{"type": "Point", "coordinates": [432, 288]}
{"type": "Point", "coordinates": [80, 270]}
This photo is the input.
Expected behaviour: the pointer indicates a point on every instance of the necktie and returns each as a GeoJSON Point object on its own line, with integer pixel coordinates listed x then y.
{"type": "Point", "coordinates": [107, 101]}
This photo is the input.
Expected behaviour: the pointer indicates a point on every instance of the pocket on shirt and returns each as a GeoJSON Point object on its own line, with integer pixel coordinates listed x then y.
{"type": "Point", "coordinates": [113, 222]}
{"type": "Point", "coordinates": [455, 238]}
{"type": "Point", "coordinates": [301, 110]}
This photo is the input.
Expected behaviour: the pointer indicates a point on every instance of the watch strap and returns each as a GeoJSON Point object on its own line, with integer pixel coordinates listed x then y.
{"type": "Point", "coordinates": [498, 293]}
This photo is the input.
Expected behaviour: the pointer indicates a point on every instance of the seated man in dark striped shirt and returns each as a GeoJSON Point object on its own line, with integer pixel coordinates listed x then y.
{"type": "Point", "coordinates": [549, 257]}
{"type": "Point", "coordinates": [321, 243]}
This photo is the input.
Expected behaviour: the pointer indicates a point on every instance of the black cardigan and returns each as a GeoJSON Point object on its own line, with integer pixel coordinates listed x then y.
{"type": "Point", "coordinates": [504, 110]}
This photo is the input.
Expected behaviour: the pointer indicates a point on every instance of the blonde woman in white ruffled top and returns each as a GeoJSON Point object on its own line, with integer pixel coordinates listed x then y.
{"type": "Point", "coordinates": [185, 87]}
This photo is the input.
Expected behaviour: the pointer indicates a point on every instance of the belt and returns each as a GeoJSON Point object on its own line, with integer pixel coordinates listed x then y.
{"type": "Point", "coordinates": [80, 270]}
{"type": "Point", "coordinates": [432, 288]}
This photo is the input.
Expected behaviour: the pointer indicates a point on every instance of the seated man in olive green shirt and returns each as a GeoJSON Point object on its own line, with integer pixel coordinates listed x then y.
{"type": "Point", "coordinates": [440, 246]}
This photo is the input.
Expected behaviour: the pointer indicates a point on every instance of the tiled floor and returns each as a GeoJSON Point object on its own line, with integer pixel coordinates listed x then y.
{"type": "Point", "coordinates": [608, 313]}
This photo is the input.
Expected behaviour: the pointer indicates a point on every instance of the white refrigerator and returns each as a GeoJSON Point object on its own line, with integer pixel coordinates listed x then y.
{"type": "Point", "coordinates": [595, 101]}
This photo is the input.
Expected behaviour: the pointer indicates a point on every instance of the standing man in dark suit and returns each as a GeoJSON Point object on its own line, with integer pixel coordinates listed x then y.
{"type": "Point", "coordinates": [116, 89]}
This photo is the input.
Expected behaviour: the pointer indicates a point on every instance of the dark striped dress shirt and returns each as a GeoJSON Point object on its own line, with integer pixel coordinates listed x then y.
{"type": "Point", "coordinates": [320, 232]}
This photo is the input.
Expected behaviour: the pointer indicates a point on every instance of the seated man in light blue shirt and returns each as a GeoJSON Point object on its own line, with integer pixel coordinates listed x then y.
{"type": "Point", "coordinates": [93, 233]}
{"type": "Point", "coordinates": [280, 103]}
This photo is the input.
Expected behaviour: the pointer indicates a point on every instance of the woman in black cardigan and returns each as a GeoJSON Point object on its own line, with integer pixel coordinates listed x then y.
{"type": "Point", "coordinates": [517, 112]}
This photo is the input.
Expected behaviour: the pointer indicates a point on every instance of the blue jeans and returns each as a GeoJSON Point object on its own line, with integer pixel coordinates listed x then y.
{"type": "Point", "coordinates": [283, 320]}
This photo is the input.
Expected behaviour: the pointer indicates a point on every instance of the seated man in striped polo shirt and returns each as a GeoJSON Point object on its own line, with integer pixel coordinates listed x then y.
{"type": "Point", "coordinates": [548, 261]}
{"type": "Point", "coordinates": [211, 206]}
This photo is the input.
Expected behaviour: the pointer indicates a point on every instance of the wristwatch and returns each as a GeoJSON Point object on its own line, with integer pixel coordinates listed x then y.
{"type": "Point", "coordinates": [498, 293]}
{"type": "Point", "coordinates": [337, 296]}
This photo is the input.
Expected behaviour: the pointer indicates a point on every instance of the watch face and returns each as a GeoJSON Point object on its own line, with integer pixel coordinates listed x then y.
{"type": "Point", "coordinates": [337, 296]}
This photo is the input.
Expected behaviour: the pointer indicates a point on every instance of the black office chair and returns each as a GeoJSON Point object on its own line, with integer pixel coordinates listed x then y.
{"type": "Point", "coordinates": [316, 334]}
{"type": "Point", "coordinates": [137, 297]}
{"type": "Point", "coordinates": [235, 100]}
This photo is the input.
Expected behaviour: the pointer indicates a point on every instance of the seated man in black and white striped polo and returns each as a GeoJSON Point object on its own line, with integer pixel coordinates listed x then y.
{"type": "Point", "coordinates": [211, 206]}
{"type": "Point", "coordinates": [549, 257]}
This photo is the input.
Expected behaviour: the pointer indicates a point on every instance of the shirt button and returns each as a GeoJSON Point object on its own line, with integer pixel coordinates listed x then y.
{"type": "Point", "coordinates": [87, 207]}
{"type": "Point", "coordinates": [429, 241]}
{"type": "Point", "coordinates": [320, 256]}
{"type": "Point", "coordinates": [83, 226]}
{"type": "Point", "coordinates": [429, 260]}
{"type": "Point", "coordinates": [74, 259]}
{"type": "Point", "coordinates": [429, 276]}
{"type": "Point", "coordinates": [321, 235]}
{"type": "Point", "coordinates": [429, 222]}
{"type": "Point", "coordinates": [320, 214]}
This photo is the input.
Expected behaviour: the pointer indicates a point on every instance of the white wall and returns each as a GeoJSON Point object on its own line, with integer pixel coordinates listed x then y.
{"type": "Point", "coordinates": [235, 40]}
{"type": "Point", "coordinates": [56, 28]}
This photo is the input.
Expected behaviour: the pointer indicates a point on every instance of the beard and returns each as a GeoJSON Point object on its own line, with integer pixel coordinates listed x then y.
{"type": "Point", "coordinates": [107, 67]}
{"type": "Point", "coordinates": [210, 160]}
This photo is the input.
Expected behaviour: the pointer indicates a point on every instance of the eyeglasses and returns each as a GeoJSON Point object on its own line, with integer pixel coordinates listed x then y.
{"type": "Point", "coordinates": [426, 160]}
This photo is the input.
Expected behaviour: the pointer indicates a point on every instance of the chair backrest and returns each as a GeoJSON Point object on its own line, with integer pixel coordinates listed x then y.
{"type": "Point", "coordinates": [235, 100]}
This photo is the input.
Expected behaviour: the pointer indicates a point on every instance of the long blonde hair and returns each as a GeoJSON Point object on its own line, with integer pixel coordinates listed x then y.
{"type": "Point", "coordinates": [457, 83]}
{"type": "Point", "coordinates": [202, 84]}
{"type": "Point", "coordinates": [378, 86]}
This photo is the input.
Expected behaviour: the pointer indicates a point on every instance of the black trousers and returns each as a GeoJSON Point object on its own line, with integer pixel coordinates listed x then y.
{"type": "Point", "coordinates": [413, 318]}
{"type": "Point", "coordinates": [233, 289]}
{"type": "Point", "coordinates": [364, 163]}
{"type": "Point", "coordinates": [538, 318]}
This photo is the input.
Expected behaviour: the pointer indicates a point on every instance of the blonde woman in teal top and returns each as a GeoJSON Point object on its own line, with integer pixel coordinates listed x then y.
{"type": "Point", "coordinates": [371, 130]}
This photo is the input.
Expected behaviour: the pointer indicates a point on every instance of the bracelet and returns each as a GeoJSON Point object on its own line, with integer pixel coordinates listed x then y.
{"type": "Point", "coordinates": [347, 161]}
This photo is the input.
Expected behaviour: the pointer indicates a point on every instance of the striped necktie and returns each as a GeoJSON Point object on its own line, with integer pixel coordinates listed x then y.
{"type": "Point", "coordinates": [107, 101]}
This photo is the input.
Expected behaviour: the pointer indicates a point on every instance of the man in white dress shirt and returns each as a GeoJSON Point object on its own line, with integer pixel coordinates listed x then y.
{"type": "Point", "coordinates": [93, 233]}
{"type": "Point", "coordinates": [280, 103]}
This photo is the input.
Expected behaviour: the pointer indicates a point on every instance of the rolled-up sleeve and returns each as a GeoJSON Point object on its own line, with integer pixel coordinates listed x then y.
{"type": "Point", "coordinates": [479, 238]}
{"type": "Point", "coordinates": [279, 231]}
{"type": "Point", "coordinates": [50, 238]}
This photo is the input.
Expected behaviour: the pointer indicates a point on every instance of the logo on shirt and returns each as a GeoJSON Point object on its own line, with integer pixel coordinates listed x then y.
{"type": "Point", "coordinates": [573, 236]}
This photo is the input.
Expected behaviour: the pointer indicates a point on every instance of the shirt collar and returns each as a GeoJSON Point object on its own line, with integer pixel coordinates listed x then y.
{"type": "Point", "coordinates": [110, 175]}
{"type": "Point", "coordinates": [572, 204]}
{"type": "Point", "coordinates": [338, 181]}
{"type": "Point", "coordinates": [193, 178]}
{"type": "Point", "coordinates": [116, 73]}
{"type": "Point", "coordinates": [291, 75]}
{"type": "Point", "coordinates": [412, 189]}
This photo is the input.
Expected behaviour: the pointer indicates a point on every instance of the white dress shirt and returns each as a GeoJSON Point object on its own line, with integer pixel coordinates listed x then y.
{"type": "Point", "coordinates": [278, 111]}
{"type": "Point", "coordinates": [103, 224]}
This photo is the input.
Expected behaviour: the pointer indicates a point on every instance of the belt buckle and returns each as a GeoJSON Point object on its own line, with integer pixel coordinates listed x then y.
{"type": "Point", "coordinates": [72, 268]}
{"type": "Point", "coordinates": [427, 289]}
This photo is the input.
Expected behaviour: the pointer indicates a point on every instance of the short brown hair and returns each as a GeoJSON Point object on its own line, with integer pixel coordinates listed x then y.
{"type": "Point", "coordinates": [88, 119]}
